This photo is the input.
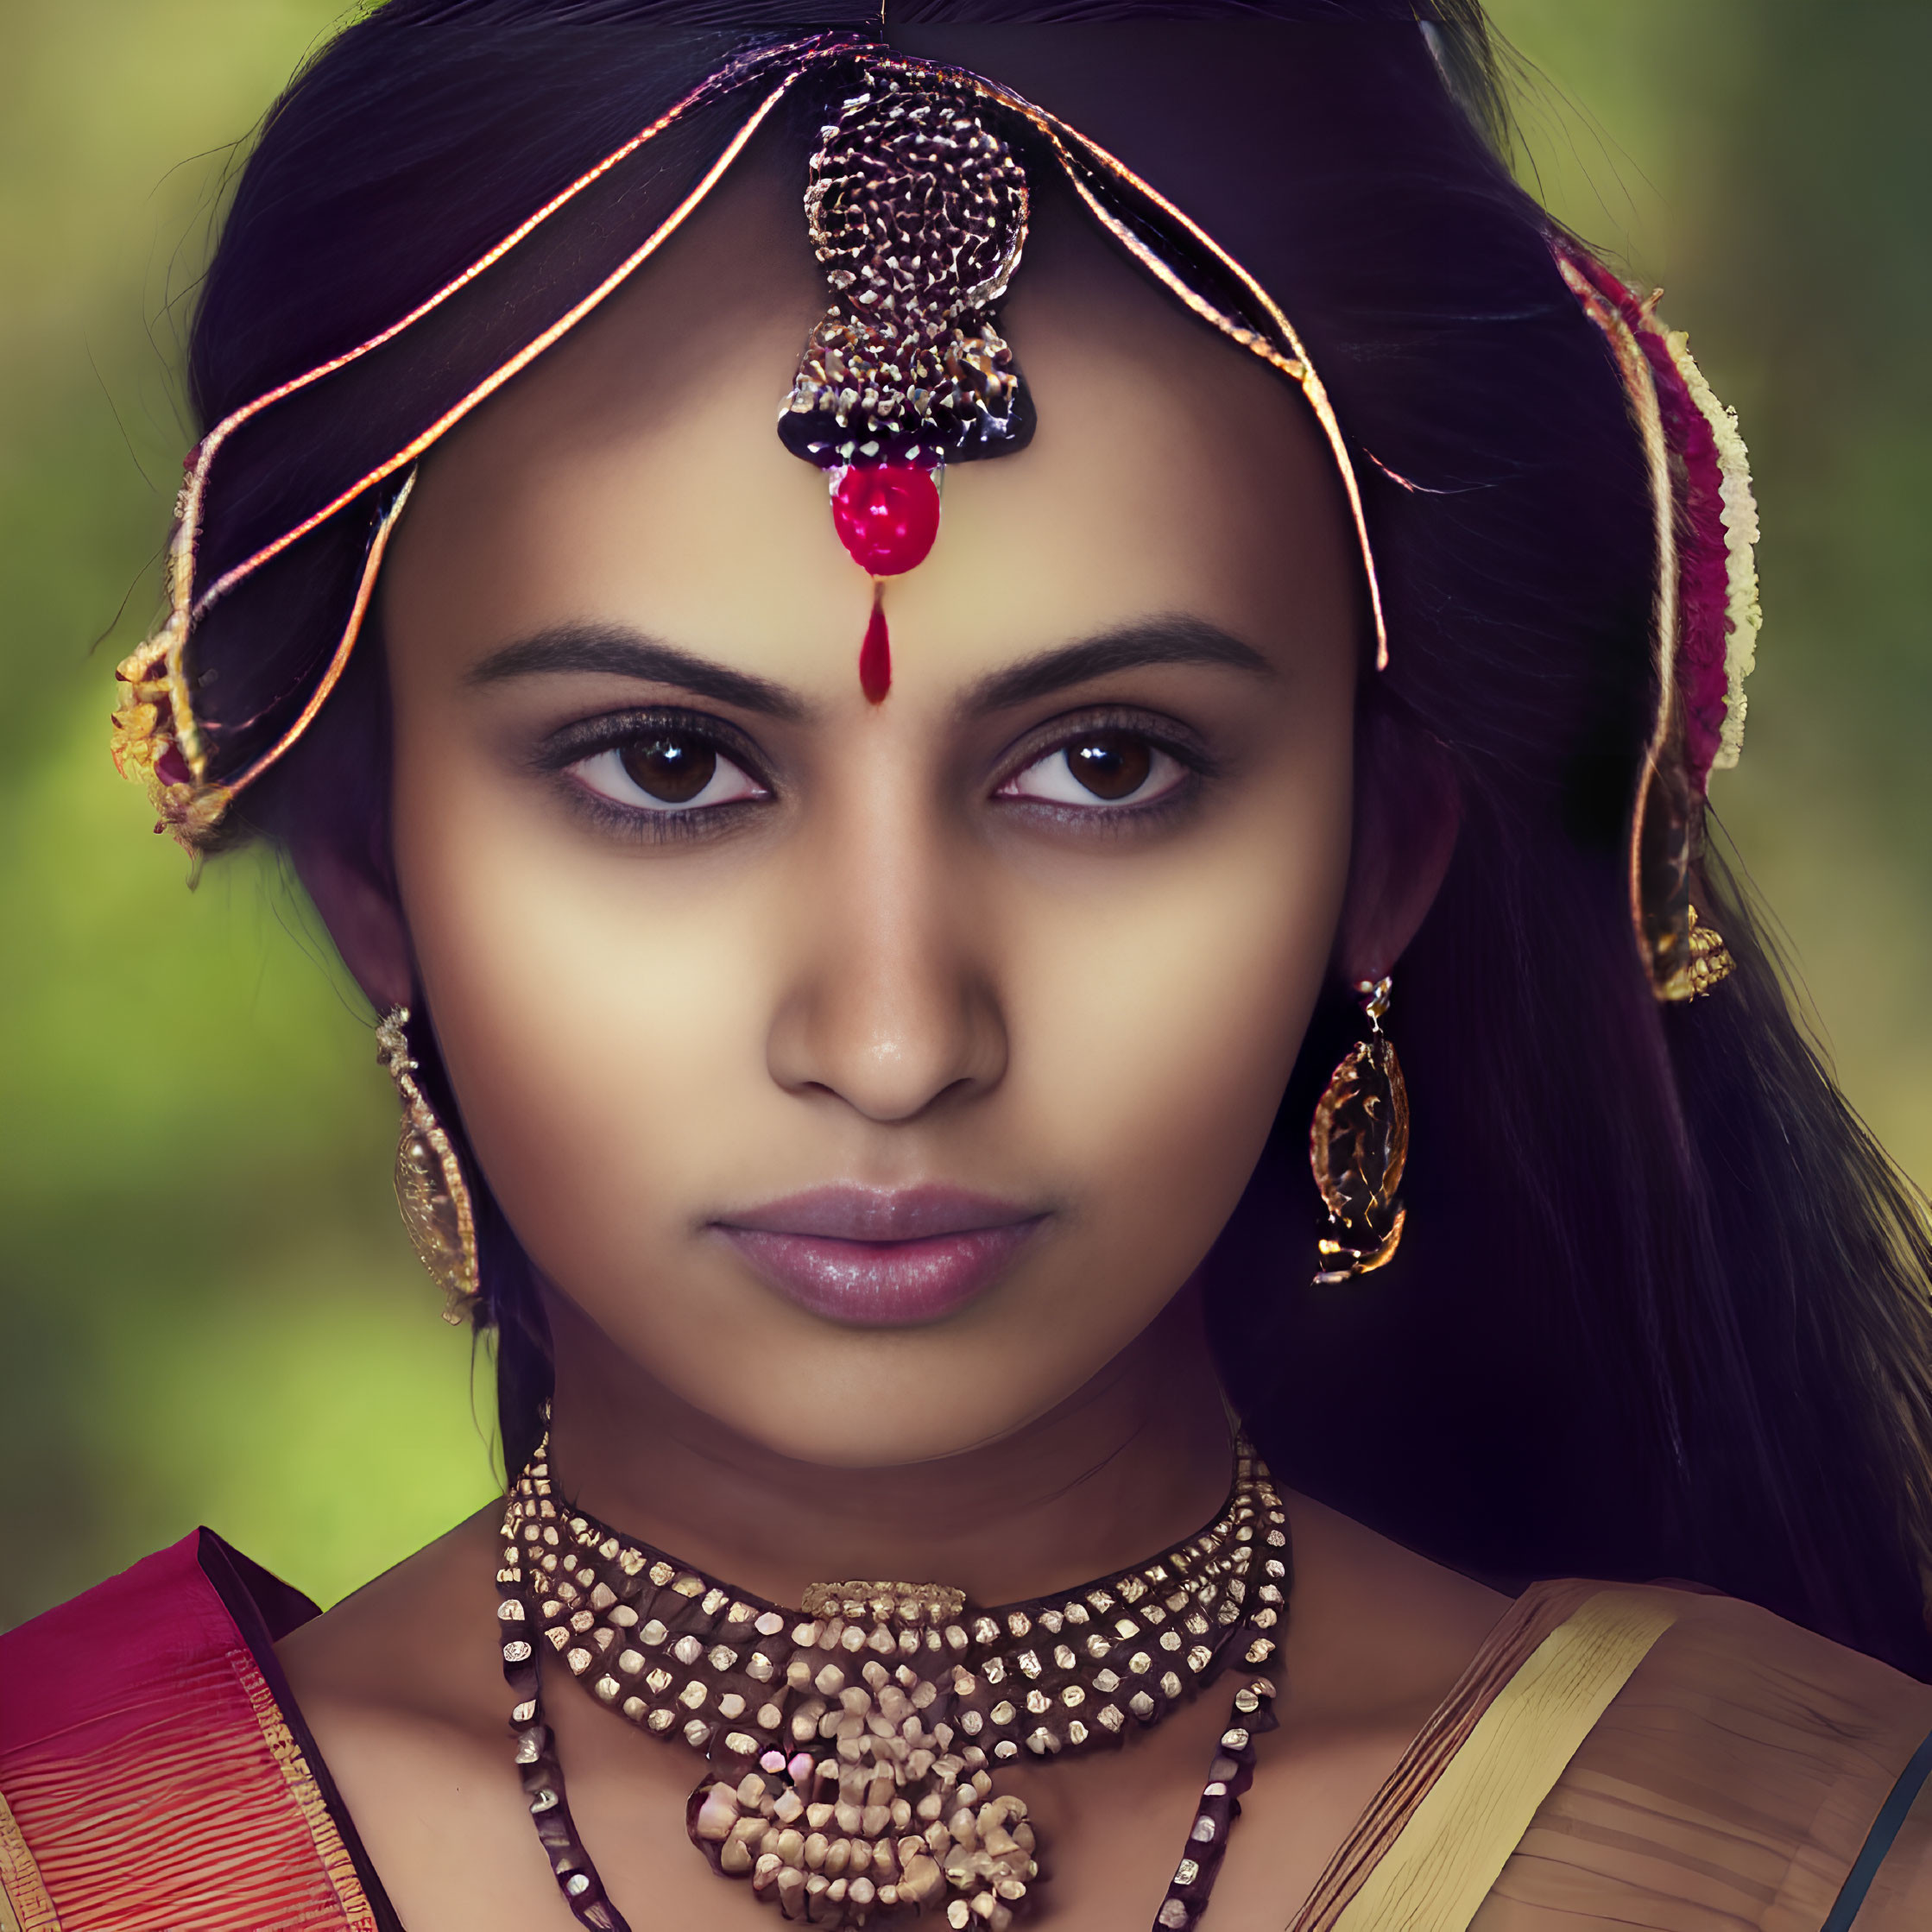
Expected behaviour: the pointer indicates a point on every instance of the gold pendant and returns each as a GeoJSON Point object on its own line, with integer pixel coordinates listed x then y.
{"type": "Point", "coordinates": [898, 1816]}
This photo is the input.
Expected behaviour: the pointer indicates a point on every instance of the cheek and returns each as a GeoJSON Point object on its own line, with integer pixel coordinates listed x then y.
{"type": "Point", "coordinates": [1159, 1029]}
{"type": "Point", "coordinates": [602, 1019]}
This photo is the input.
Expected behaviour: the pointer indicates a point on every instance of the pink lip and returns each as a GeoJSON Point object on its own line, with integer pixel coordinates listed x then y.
{"type": "Point", "coordinates": [877, 1257]}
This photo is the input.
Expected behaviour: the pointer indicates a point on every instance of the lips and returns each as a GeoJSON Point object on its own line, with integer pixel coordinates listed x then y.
{"type": "Point", "coordinates": [881, 1258]}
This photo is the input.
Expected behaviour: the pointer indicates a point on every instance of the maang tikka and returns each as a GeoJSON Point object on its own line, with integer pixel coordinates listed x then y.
{"type": "Point", "coordinates": [1358, 1145]}
{"type": "Point", "coordinates": [917, 214]}
{"type": "Point", "coordinates": [430, 1190]}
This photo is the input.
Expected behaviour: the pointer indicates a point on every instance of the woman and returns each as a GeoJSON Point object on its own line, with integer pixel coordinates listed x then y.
{"type": "Point", "coordinates": [859, 985]}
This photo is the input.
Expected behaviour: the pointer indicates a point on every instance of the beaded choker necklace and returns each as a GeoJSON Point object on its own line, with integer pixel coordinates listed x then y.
{"type": "Point", "coordinates": [853, 1746]}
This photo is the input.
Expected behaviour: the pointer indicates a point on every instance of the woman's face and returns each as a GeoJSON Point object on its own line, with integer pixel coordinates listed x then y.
{"type": "Point", "coordinates": [871, 1074]}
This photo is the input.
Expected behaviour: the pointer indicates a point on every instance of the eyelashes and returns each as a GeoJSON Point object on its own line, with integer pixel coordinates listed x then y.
{"type": "Point", "coordinates": [667, 774]}
{"type": "Point", "coordinates": [1113, 770]}
{"type": "Point", "coordinates": [657, 774]}
{"type": "Point", "coordinates": [1106, 770]}
{"type": "Point", "coordinates": [660, 774]}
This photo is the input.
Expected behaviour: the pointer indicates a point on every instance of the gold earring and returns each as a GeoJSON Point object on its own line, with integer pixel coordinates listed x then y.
{"type": "Point", "coordinates": [429, 1185]}
{"type": "Point", "coordinates": [1710, 961]}
{"type": "Point", "coordinates": [1357, 1146]}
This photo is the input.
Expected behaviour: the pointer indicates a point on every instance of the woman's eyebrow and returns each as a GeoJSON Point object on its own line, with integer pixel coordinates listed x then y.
{"type": "Point", "coordinates": [616, 651]}
{"type": "Point", "coordinates": [1156, 641]}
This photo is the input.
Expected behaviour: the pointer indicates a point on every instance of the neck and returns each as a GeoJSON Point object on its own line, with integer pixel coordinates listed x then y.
{"type": "Point", "coordinates": [1135, 1460]}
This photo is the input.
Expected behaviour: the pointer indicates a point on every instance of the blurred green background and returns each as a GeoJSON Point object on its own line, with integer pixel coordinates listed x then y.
{"type": "Point", "coordinates": [207, 1311]}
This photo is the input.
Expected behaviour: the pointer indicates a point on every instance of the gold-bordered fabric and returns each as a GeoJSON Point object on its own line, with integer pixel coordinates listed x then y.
{"type": "Point", "coordinates": [336, 1865]}
{"type": "Point", "coordinates": [152, 1781]}
{"type": "Point", "coordinates": [24, 1905]}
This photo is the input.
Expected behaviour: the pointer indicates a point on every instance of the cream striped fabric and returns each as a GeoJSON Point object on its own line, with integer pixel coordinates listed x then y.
{"type": "Point", "coordinates": [1456, 1842]}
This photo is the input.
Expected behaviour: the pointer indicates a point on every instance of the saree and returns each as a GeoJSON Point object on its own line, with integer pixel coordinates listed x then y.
{"type": "Point", "coordinates": [1644, 1759]}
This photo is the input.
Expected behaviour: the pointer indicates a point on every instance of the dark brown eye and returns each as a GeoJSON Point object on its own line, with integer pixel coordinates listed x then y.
{"type": "Point", "coordinates": [674, 769]}
{"type": "Point", "coordinates": [1107, 766]}
{"type": "Point", "coordinates": [664, 770]}
{"type": "Point", "coordinates": [1110, 764]}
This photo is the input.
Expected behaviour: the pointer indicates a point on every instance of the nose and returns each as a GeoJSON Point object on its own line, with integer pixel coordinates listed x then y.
{"type": "Point", "coordinates": [888, 1000]}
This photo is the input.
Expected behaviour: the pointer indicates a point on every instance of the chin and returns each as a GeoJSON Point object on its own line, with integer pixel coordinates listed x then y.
{"type": "Point", "coordinates": [841, 1397]}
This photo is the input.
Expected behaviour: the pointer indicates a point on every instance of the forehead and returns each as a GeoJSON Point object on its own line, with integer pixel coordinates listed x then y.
{"type": "Point", "coordinates": [634, 474]}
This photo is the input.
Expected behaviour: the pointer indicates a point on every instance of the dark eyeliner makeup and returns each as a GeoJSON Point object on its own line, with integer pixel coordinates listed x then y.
{"type": "Point", "coordinates": [633, 733]}
{"type": "Point", "coordinates": [1125, 726]}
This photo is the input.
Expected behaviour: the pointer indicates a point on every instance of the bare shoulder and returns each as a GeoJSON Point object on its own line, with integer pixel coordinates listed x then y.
{"type": "Point", "coordinates": [1388, 1631]}
{"type": "Point", "coordinates": [402, 1643]}
{"type": "Point", "coordinates": [401, 1687]}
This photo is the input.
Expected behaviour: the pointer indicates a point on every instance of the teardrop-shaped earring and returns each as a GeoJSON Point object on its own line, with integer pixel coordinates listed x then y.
{"type": "Point", "coordinates": [429, 1185]}
{"type": "Point", "coordinates": [1357, 1146]}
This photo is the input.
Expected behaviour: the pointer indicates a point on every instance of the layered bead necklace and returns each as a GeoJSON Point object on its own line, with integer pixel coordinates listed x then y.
{"type": "Point", "coordinates": [853, 1745]}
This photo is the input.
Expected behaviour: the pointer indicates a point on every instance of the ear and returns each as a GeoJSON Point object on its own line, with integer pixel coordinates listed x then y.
{"type": "Point", "coordinates": [1408, 811]}
{"type": "Point", "coordinates": [360, 910]}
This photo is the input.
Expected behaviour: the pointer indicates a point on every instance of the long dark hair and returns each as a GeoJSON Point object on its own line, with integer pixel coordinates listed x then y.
{"type": "Point", "coordinates": [1662, 1305]}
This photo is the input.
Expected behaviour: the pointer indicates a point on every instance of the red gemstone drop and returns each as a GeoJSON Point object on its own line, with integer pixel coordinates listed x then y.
{"type": "Point", "coordinates": [875, 654]}
{"type": "Point", "coordinates": [886, 516]}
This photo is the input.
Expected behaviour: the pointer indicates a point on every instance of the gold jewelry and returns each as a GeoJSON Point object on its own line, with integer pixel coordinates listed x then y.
{"type": "Point", "coordinates": [430, 1190]}
{"type": "Point", "coordinates": [1358, 1145]}
{"type": "Point", "coordinates": [852, 1747]}
{"type": "Point", "coordinates": [1710, 961]}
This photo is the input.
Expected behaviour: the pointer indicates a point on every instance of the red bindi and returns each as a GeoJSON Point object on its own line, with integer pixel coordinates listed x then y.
{"type": "Point", "coordinates": [875, 654]}
{"type": "Point", "coordinates": [887, 515]}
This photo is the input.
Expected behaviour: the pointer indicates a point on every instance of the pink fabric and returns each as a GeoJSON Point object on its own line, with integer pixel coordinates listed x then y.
{"type": "Point", "coordinates": [79, 1662]}
{"type": "Point", "coordinates": [151, 1773]}
{"type": "Point", "coordinates": [1703, 582]}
